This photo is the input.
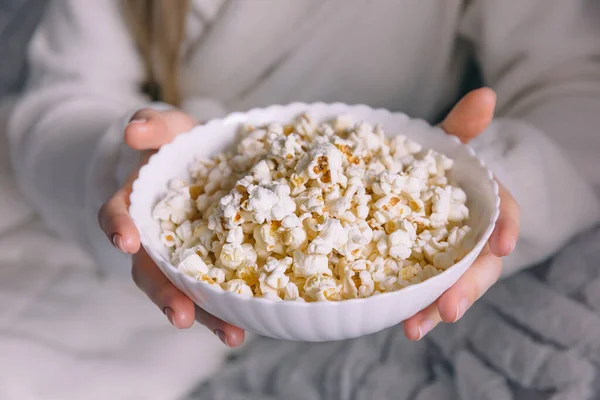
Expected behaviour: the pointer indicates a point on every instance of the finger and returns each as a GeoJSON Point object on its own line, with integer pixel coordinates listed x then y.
{"type": "Point", "coordinates": [114, 218]}
{"type": "Point", "coordinates": [150, 129]}
{"type": "Point", "coordinates": [471, 115]}
{"type": "Point", "coordinates": [484, 272]}
{"type": "Point", "coordinates": [178, 308]}
{"type": "Point", "coordinates": [506, 233]}
{"type": "Point", "coordinates": [230, 335]}
{"type": "Point", "coordinates": [116, 223]}
{"type": "Point", "coordinates": [420, 324]}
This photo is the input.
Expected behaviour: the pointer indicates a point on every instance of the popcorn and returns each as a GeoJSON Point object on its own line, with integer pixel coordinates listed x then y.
{"type": "Point", "coordinates": [291, 221]}
{"type": "Point", "coordinates": [253, 145]}
{"type": "Point", "coordinates": [440, 207]}
{"type": "Point", "coordinates": [307, 265]}
{"type": "Point", "coordinates": [367, 286]}
{"type": "Point", "coordinates": [458, 211]}
{"type": "Point", "coordinates": [305, 125]}
{"type": "Point", "coordinates": [170, 239]}
{"type": "Point", "coordinates": [295, 238]}
{"type": "Point", "coordinates": [359, 236]}
{"type": "Point", "coordinates": [268, 239]}
{"type": "Point", "coordinates": [432, 247]}
{"type": "Point", "coordinates": [349, 285]}
{"type": "Point", "coordinates": [167, 226]}
{"type": "Point", "coordinates": [217, 275]}
{"type": "Point", "coordinates": [389, 284]}
{"type": "Point", "coordinates": [249, 273]}
{"type": "Point", "coordinates": [268, 202]}
{"type": "Point", "coordinates": [342, 123]}
{"type": "Point", "coordinates": [193, 265]}
{"type": "Point", "coordinates": [461, 239]}
{"type": "Point", "coordinates": [235, 235]}
{"type": "Point", "coordinates": [316, 212]}
{"type": "Point", "coordinates": [183, 252]}
{"type": "Point", "coordinates": [340, 205]}
{"type": "Point", "coordinates": [333, 236]}
{"type": "Point", "coordinates": [322, 164]}
{"type": "Point", "coordinates": [234, 256]}
{"type": "Point", "coordinates": [311, 201]}
{"type": "Point", "coordinates": [272, 296]}
{"type": "Point", "coordinates": [238, 286]}
{"type": "Point", "coordinates": [260, 202]}
{"type": "Point", "coordinates": [184, 231]}
{"type": "Point", "coordinates": [287, 147]}
{"type": "Point", "coordinates": [285, 205]}
{"type": "Point", "coordinates": [379, 270]}
{"type": "Point", "coordinates": [261, 171]}
{"type": "Point", "coordinates": [401, 146]}
{"type": "Point", "coordinates": [291, 292]}
{"type": "Point", "coordinates": [273, 278]}
{"type": "Point", "coordinates": [401, 241]}
{"type": "Point", "coordinates": [320, 287]}
{"type": "Point", "coordinates": [177, 206]}
{"type": "Point", "coordinates": [204, 235]}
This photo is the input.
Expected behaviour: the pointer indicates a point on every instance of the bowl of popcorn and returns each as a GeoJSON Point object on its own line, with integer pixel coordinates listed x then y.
{"type": "Point", "coordinates": [314, 222]}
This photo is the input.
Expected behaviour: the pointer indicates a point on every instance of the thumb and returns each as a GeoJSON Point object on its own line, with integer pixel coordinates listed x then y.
{"type": "Point", "coordinates": [150, 129]}
{"type": "Point", "coordinates": [471, 115]}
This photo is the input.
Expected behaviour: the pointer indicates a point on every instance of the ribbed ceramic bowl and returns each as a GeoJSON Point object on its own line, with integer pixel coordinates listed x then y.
{"type": "Point", "coordinates": [320, 321]}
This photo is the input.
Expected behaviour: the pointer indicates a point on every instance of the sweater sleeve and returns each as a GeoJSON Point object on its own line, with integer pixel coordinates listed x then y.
{"type": "Point", "coordinates": [66, 130]}
{"type": "Point", "coordinates": [543, 59]}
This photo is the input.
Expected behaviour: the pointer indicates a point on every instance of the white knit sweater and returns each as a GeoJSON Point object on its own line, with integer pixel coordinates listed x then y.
{"type": "Point", "coordinates": [541, 56]}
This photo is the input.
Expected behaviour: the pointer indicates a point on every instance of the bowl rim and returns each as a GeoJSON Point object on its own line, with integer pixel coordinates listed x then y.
{"type": "Point", "coordinates": [242, 116]}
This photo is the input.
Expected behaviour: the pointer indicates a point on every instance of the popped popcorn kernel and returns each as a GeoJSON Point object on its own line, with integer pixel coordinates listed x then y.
{"type": "Point", "coordinates": [311, 211]}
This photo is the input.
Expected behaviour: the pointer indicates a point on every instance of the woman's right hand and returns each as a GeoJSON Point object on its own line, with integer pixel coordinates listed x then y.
{"type": "Point", "coordinates": [147, 131]}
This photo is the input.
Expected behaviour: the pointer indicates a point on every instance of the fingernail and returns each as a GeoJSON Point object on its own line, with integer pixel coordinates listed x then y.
{"type": "Point", "coordinates": [221, 335]}
{"type": "Point", "coordinates": [424, 328]}
{"type": "Point", "coordinates": [461, 309]}
{"type": "Point", "coordinates": [138, 121]}
{"type": "Point", "coordinates": [511, 247]}
{"type": "Point", "coordinates": [117, 241]}
{"type": "Point", "coordinates": [170, 315]}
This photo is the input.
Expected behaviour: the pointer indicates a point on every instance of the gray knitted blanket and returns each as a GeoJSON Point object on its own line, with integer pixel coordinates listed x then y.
{"type": "Point", "coordinates": [533, 336]}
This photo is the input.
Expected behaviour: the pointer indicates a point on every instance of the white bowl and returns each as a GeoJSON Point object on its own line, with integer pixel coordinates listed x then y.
{"type": "Point", "coordinates": [320, 321]}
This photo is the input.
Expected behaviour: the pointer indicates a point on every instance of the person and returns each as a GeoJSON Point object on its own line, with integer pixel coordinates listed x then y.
{"type": "Point", "coordinates": [84, 124]}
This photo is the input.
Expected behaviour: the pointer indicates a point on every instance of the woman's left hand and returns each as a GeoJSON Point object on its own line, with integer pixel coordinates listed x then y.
{"type": "Point", "coordinates": [469, 118]}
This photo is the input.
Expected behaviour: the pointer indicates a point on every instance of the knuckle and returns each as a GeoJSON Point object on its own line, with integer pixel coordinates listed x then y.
{"type": "Point", "coordinates": [121, 196]}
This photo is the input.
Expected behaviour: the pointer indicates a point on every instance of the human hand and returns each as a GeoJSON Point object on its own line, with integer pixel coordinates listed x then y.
{"type": "Point", "coordinates": [469, 118]}
{"type": "Point", "coordinates": [147, 131]}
